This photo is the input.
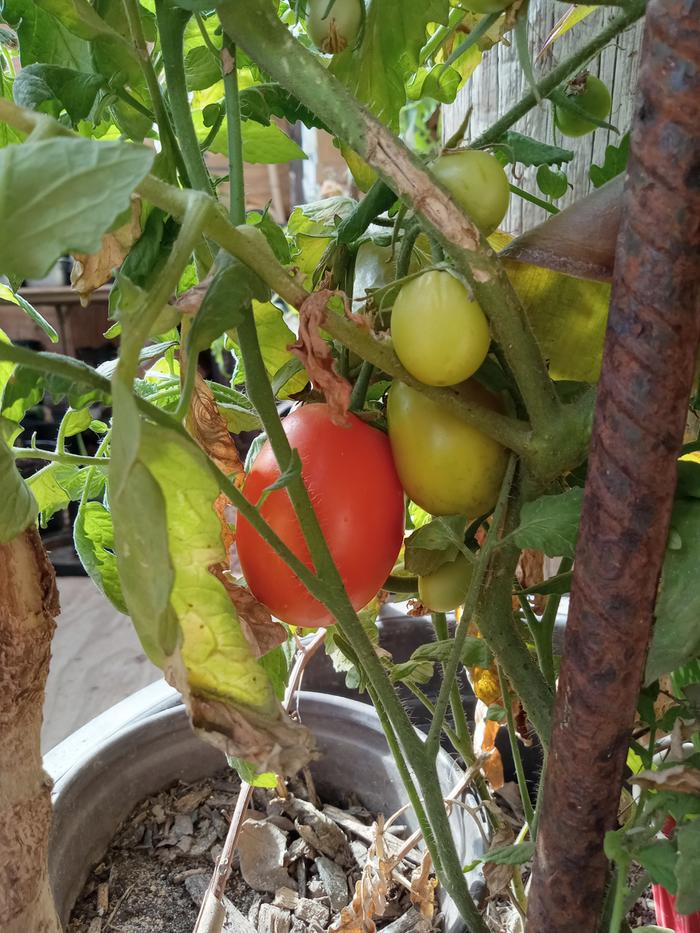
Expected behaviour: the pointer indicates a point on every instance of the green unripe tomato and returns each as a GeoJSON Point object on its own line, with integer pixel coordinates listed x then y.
{"type": "Point", "coordinates": [440, 335]}
{"type": "Point", "coordinates": [339, 29]}
{"type": "Point", "coordinates": [487, 6]}
{"type": "Point", "coordinates": [446, 588]}
{"type": "Point", "coordinates": [477, 182]}
{"type": "Point", "coordinates": [589, 93]}
{"type": "Point", "coordinates": [446, 466]}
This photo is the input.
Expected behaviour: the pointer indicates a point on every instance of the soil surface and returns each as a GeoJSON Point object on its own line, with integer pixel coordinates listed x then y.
{"type": "Point", "coordinates": [295, 869]}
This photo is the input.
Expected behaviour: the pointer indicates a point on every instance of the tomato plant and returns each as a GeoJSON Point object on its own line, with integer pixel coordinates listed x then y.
{"type": "Point", "coordinates": [440, 335]}
{"type": "Point", "coordinates": [362, 520]}
{"type": "Point", "coordinates": [478, 184]}
{"type": "Point", "coordinates": [298, 306]}
{"type": "Point", "coordinates": [334, 24]}
{"type": "Point", "coordinates": [446, 588]}
{"type": "Point", "coordinates": [592, 96]}
{"type": "Point", "coordinates": [446, 466]}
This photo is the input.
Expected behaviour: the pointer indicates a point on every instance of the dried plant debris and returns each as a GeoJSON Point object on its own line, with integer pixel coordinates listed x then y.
{"type": "Point", "coordinates": [300, 867]}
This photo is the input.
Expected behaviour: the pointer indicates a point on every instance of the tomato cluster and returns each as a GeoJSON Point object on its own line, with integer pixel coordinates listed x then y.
{"type": "Point", "coordinates": [355, 475]}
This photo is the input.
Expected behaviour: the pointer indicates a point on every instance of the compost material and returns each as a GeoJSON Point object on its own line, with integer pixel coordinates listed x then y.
{"type": "Point", "coordinates": [296, 869]}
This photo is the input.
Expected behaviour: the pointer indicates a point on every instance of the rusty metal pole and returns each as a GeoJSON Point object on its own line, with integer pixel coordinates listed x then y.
{"type": "Point", "coordinates": [648, 365]}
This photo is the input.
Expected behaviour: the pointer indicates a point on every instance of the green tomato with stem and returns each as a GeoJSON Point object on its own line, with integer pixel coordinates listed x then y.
{"type": "Point", "coordinates": [478, 183]}
{"type": "Point", "coordinates": [446, 466]}
{"type": "Point", "coordinates": [440, 334]}
{"type": "Point", "coordinates": [447, 587]}
{"type": "Point", "coordinates": [590, 94]}
{"type": "Point", "coordinates": [332, 30]}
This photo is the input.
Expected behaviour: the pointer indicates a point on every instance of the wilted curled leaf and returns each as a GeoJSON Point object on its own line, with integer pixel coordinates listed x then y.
{"type": "Point", "coordinates": [498, 877]}
{"type": "Point", "coordinates": [682, 778]}
{"type": "Point", "coordinates": [262, 632]}
{"type": "Point", "coordinates": [209, 429]}
{"type": "Point", "coordinates": [316, 354]}
{"type": "Point", "coordinates": [167, 537]}
{"type": "Point", "coordinates": [423, 887]}
{"type": "Point", "coordinates": [90, 271]}
{"type": "Point", "coordinates": [529, 572]}
{"type": "Point", "coordinates": [369, 900]}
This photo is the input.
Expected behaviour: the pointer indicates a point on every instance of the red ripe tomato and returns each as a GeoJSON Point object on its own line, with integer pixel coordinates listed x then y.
{"type": "Point", "coordinates": [352, 481]}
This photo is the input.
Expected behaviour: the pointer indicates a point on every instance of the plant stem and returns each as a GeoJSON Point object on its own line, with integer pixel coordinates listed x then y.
{"type": "Point", "coordinates": [533, 199]}
{"type": "Point", "coordinates": [33, 453]}
{"type": "Point", "coordinates": [378, 199]}
{"type": "Point", "coordinates": [620, 890]}
{"type": "Point", "coordinates": [359, 390]}
{"type": "Point", "coordinates": [558, 75]}
{"type": "Point", "coordinates": [171, 28]}
{"type": "Point", "coordinates": [233, 130]}
{"type": "Point", "coordinates": [402, 585]}
{"type": "Point", "coordinates": [475, 586]}
{"type": "Point", "coordinates": [405, 774]}
{"type": "Point", "coordinates": [463, 733]}
{"type": "Point", "coordinates": [515, 749]}
{"type": "Point", "coordinates": [165, 129]}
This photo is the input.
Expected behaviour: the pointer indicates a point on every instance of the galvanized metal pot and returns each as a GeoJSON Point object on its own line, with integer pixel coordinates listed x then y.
{"type": "Point", "coordinates": [145, 744]}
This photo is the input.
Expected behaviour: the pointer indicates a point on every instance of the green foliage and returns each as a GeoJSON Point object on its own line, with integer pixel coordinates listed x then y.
{"type": "Point", "coordinates": [614, 163]}
{"type": "Point", "coordinates": [435, 544]}
{"type": "Point", "coordinates": [93, 536]}
{"type": "Point", "coordinates": [44, 38]}
{"type": "Point", "coordinates": [515, 148]}
{"type": "Point", "coordinates": [85, 187]}
{"type": "Point", "coordinates": [377, 71]}
{"type": "Point", "coordinates": [227, 299]}
{"type": "Point", "coordinates": [58, 484]}
{"type": "Point", "coordinates": [420, 667]}
{"type": "Point", "coordinates": [552, 182]}
{"type": "Point", "coordinates": [676, 637]}
{"type": "Point", "coordinates": [550, 523]}
{"type": "Point", "coordinates": [6, 294]}
{"type": "Point", "coordinates": [17, 505]}
{"type": "Point", "coordinates": [74, 92]}
{"type": "Point", "coordinates": [275, 337]}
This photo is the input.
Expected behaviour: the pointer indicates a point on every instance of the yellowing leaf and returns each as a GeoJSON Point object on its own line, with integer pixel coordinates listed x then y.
{"type": "Point", "coordinates": [568, 316]}
{"type": "Point", "coordinates": [91, 270]}
{"type": "Point", "coordinates": [574, 15]}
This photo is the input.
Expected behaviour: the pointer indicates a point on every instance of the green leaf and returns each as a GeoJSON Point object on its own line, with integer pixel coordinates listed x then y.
{"type": "Point", "coordinates": [6, 294]}
{"type": "Point", "coordinates": [272, 232]}
{"type": "Point", "coordinates": [552, 182]}
{"type": "Point", "coordinates": [17, 505]}
{"type": "Point", "coordinates": [688, 868]}
{"type": "Point", "coordinates": [58, 484]}
{"type": "Point", "coordinates": [377, 71]}
{"type": "Point", "coordinates": [550, 523]}
{"type": "Point", "coordinates": [24, 389]}
{"type": "Point", "coordinates": [93, 536]}
{"type": "Point", "coordinates": [80, 18]}
{"type": "Point", "coordinates": [233, 288]}
{"type": "Point", "coordinates": [496, 713]}
{"type": "Point", "coordinates": [75, 92]}
{"type": "Point", "coordinates": [614, 162]}
{"type": "Point", "coordinates": [514, 147]}
{"type": "Point", "coordinates": [659, 859]}
{"type": "Point", "coordinates": [438, 82]}
{"type": "Point", "coordinates": [274, 337]}
{"type": "Point", "coordinates": [235, 408]}
{"type": "Point", "coordinates": [202, 68]}
{"type": "Point", "coordinates": [62, 195]}
{"type": "Point", "coordinates": [249, 773]}
{"type": "Point", "coordinates": [267, 144]}
{"type": "Point", "coordinates": [555, 586]}
{"type": "Point", "coordinates": [263, 101]}
{"type": "Point", "coordinates": [43, 38]}
{"type": "Point", "coordinates": [516, 854]}
{"type": "Point", "coordinates": [676, 636]}
{"type": "Point", "coordinates": [75, 422]}
{"type": "Point", "coordinates": [435, 544]}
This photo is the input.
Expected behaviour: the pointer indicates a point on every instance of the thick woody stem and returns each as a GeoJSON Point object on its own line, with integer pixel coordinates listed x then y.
{"type": "Point", "coordinates": [647, 373]}
{"type": "Point", "coordinates": [28, 606]}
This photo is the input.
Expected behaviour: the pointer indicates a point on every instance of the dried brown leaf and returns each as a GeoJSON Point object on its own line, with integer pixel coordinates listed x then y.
{"type": "Point", "coordinates": [261, 631]}
{"type": "Point", "coordinates": [91, 270]}
{"type": "Point", "coordinates": [682, 778]}
{"type": "Point", "coordinates": [423, 887]}
{"type": "Point", "coordinates": [485, 732]}
{"type": "Point", "coordinates": [529, 572]}
{"type": "Point", "coordinates": [209, 429]}
{"type": "Point", "coordinates": [189, 302]}
{"type": "Point", "coordinates": [317, 357]}
{"type": "Point", "coordinates": [369, 900]}
{"type": "Point", "coordinates": [498, 877]}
